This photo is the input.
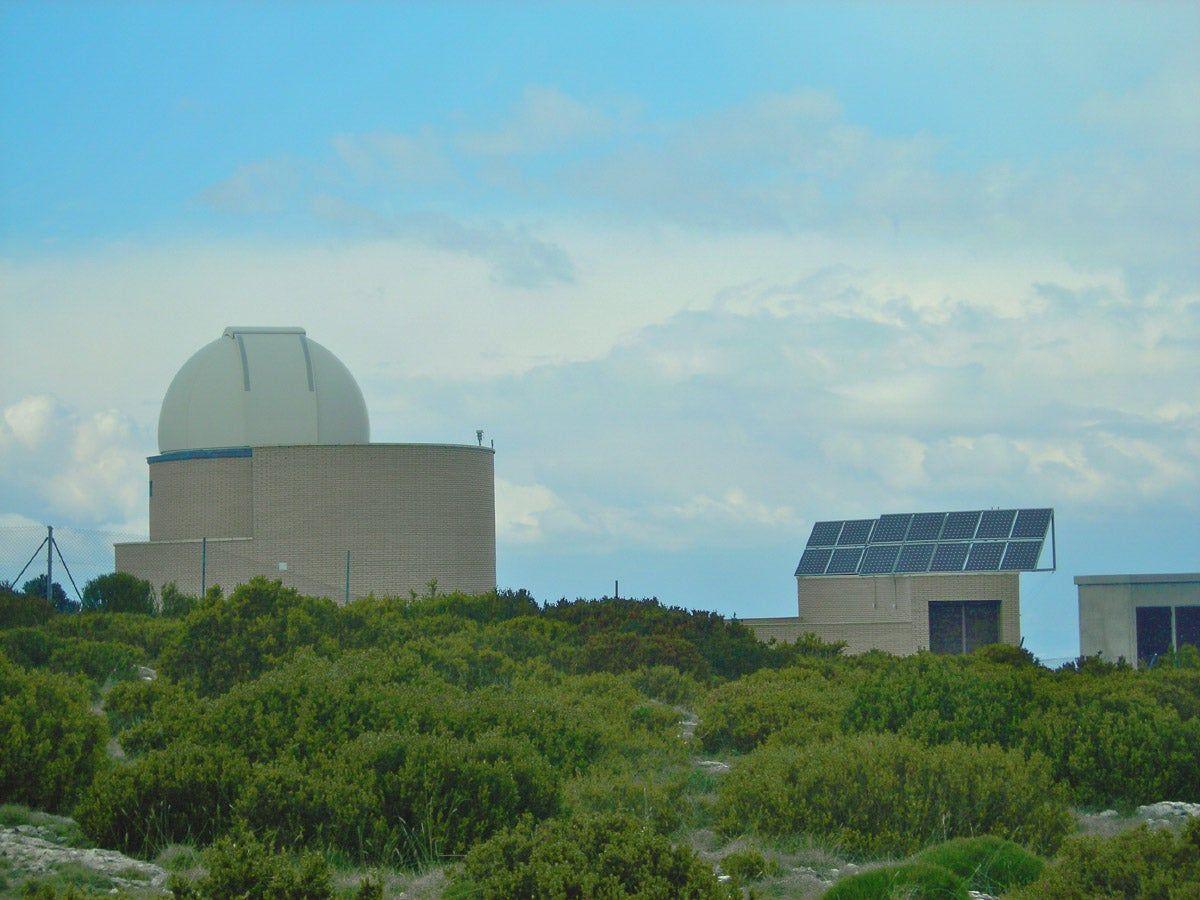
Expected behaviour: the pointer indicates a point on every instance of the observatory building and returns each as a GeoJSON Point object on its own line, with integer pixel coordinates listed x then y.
{"type": "Point", "coordinates": [946, 581]}
{"type": "Point", "coordinates": [265, 467]}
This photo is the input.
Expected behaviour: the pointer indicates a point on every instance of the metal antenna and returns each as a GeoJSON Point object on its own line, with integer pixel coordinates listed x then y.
{"type": "Point", "coordinates": [479, 436]}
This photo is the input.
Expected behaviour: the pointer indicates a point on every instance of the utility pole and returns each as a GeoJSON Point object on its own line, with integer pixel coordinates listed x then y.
{"type": "Point", "coordinates": [49, 564]}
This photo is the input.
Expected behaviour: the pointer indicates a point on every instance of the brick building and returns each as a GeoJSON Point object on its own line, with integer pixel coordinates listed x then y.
{"type": "Point", "coordinates": [947, 582]}
{"type": "Point", "coordinates": [266, 468]}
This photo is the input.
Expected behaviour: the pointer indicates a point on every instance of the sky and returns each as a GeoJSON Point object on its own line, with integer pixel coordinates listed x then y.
{"type": "Point", "coordinates": [705, 273]}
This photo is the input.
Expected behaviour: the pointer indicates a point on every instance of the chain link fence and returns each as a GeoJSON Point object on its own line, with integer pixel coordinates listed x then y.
{"type": "Point", "coordinates": [74, 556]}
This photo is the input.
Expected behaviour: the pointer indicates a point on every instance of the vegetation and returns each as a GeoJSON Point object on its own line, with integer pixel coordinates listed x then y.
{"type": "Point", "coordinates": [545, 750]}
{"type": "Point", "coordinates": [118, 592]}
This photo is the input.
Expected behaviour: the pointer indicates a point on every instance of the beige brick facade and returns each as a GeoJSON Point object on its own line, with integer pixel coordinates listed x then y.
{"type": "Point", "coordinates": [406, 513]}
{"type": "Point", "coordinates": [889, 612]}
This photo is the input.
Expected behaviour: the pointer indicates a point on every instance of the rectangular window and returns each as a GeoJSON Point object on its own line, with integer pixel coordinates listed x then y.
{"type": "Point", "coordinates": [962, 626]}
{"type": "Point", "coordinates": [1153, 632]}
{"type": "Point", "coordinates": [1187, 626]}
{"type": "Point", "coordinates": [151, 487]}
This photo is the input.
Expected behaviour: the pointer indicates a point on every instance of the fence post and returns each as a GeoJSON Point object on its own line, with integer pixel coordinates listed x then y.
{"type": "Point", "coordinates": [347, 576]}
{"type": "Point", "coordinates": [49, 564]}
{"type": "Point", "coordinates": [203, 566]}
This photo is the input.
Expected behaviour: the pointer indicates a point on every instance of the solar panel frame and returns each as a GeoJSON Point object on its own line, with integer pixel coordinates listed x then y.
{"type": "Point", "coordinates": [890, 528]}
{"type": "Point", "coordinates": [914, 558]}
{"type": "Point", "coordinates": [1031, 523]}
{"type": "Point", "coordinates": [814, 560]}
{"type": "Point", "coordinates": [925, 527]}
{"type": "Point", "coordinates": [855, 531]}
{"type": "Point", "coordinates": [879, 559]}
{"type": "Point", "coordinates": [985, 556]}
{"type": "Point", "coordinates": [1021, 555]}
{"type": "Point", "coordinates": [949, 557]}
{"type": "Point", "coordinates": [845, 561]}
{"type": "Point", "coordinates": [996, 523]}
{"type": "Point", "coordinates": [825, 534]}
{"type": "Point", "coordinates": [960, 526]}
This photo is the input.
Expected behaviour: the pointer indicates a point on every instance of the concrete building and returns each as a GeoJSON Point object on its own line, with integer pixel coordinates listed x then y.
{"type": "Point", "coordinates": [265, 467]}
{"type": "Point", "coordinates": [1138, 618]}
{"type": "Point", "coordinates": [947, 582]}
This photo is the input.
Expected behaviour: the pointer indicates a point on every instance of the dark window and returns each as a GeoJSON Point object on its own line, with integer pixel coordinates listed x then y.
{"type": "Point", "coordinates": [1153, 632]}
{"type": "Point", "coordinates": [151, 487]}
{"type": "Point", "coordinates": [961, 626]}
{"type": "Point", "coordinates": [1187, 626]}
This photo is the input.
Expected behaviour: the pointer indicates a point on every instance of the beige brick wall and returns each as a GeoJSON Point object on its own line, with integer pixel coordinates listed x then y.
{"type": "Point", "coordinates": [407, 514]}
{"type": "Point", "coordinates": [889, 612]}
{"type": "Point", "coordinates": [195, 498]}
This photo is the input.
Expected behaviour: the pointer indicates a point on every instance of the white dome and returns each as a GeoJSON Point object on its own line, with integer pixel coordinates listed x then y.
{"type": "Point", "coordinates": [260, 387]}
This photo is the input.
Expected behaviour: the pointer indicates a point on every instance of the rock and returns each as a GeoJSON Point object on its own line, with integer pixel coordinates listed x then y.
{"type": "Point", "coordinates": [1108, 814]}
{"type": "Point", "coordinates": [724, 878]}
{"type": "Point", "coordinates": [26, 849]}
{"type": "Point", "coordinates": [712, 765]}
{"type": "Point", "coordinates": [146, 674]}
{"type": "Point", "coordinates": [979, 895]}
{"type": "Point", "coordinates": [1167, 810]}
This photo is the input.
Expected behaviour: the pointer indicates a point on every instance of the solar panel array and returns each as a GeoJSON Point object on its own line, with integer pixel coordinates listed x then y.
{"type": "Point", "coordinates": [1007, 540]}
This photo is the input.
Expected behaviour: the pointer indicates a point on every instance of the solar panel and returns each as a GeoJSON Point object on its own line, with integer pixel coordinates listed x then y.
{"type": "Point", "coordinates": [1031, 523]}
{"type": "Point", "coordinates": [1009, 540]}
{"type": "Point", "coordinates": [824, 534]}
{"type": "Point", "coordinates": [856, 531]}
{"type": "Point", "coordinates": [845, 561]}
{"type": "Point", "coordinates": [985, 557]}
{"type": "Point", "coordinates": [891, 528]}
{"type": "Point", "coordinates": [1022, 555]}
{"type": "Point", "coordinates": [949, 557]}
{"type": "Point", "coordinates": [996, 523]}
{"type": "Point", "coordinates": [926, 526]}
{"type": "Point", "coordinates": [915, 558]}
{"type": "Point", "coordinates": [960, 526]}
{"type": "Point", "coordinates": [879, 560]}
{"type": "Point", "coordinates": [814, 561]}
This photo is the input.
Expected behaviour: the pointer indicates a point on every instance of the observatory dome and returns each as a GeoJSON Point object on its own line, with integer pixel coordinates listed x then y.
{"type": "Point", "coordinates": [259, 387]}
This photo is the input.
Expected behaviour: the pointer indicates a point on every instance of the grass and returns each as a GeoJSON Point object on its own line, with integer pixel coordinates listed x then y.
{"type": "Point", "coordinates": [988, 864]}
{"type": "Point", "coordinates": [59, 829]}
{"type": "Point", "coordinates": [911, 881]}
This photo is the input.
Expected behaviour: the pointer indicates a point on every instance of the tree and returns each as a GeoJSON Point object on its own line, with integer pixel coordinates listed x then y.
{"type": "Point", "coordinates": [118, 592]}
{"type": "Point", "coordinates": [36, 587]}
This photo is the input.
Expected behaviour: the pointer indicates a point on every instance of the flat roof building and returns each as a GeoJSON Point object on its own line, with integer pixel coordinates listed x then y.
{"type": "Point", "coordinates": [1138, 618]}
{"type": "Point", "coordinates": [947, 582]}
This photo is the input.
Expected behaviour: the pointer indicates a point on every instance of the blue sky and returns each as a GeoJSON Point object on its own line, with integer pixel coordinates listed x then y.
{"type": "Point", "coordinates": [706, 273]}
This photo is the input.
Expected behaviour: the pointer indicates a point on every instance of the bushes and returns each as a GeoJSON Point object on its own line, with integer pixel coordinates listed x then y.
{"type": "Point", "coordinates": [742, 714]}
{"type": "Point", "coordinates": [184, 794]}
{"type": "Point", "coordinates": [885, 794]}
{"type": "Point", "coordinates": [95, 660]}
{"type": "Point", "coordinates": [21, 610]}
{"type": "Point", "coordinates": [118, 592]}
{"type": "Point", "coordinates": [228, 640]}
{"type": "Point", "coordinates": [989, 864]}
{"type": "Point", "coordinates": [241, 866]}
{"type": "Point", "coordinates": [50, 743]}
{"type": "Point", "coordinates": [600, 856]}
{"type": "Point", "coordinates": [910, 881]}
{"type": "Point", "coordinates": [1141, 864]}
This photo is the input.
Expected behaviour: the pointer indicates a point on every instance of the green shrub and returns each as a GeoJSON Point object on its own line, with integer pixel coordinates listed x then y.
{"type": "Point", "coordinates": [184, 794]}
{"type": "Point", "coordinates": [990, 865]}
{"type": "Point", "coordinates": [175, 604]}
{"type": "Point", "coordinates": [749, 865]}
{"type": "Point", "coordinates": [907, 881]}
{"type": "Point", "coordinates": [742, 714]}
{"type": "Point", "coordinates": [150, 633]}
{"type": "Point", "coordinates": [943, 698]}
{"type": "Point", "coordinates": [1140, 864]}
{"type": "Point", "coordinates": [97, 661]}
{"type": "Point", "coordinates": [118, 592]}
{"type": "Point", "coordinates": [650, 795]}
{"type": "Point", "coordinates": [22, 610]}
{"type": "Point", "coordinates": [668, 685]}
{"type": "Point", "coordinates": [239, 865]}
{"type": "Point", "coordinates": [886, 794]}
{"type": "Point", "coordinates": [50, 743]}
{"type": "Point", "coordinates": [229, 640]}
{"type": "Point", "coordinates": [594, 856]}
